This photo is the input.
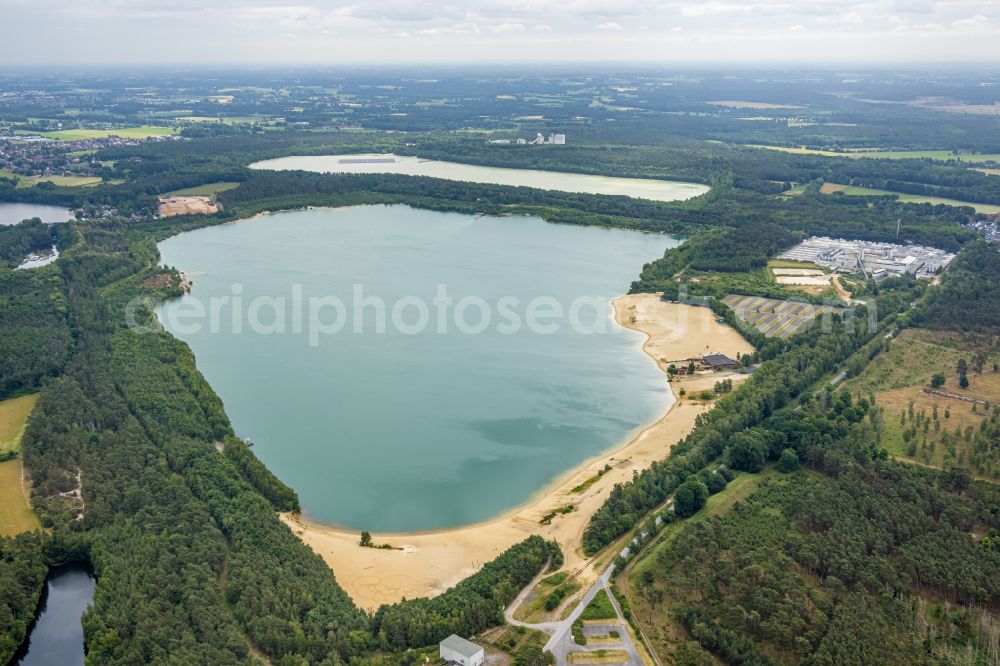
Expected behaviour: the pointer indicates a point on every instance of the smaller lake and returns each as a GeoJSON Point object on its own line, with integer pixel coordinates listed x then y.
{"type": "Point", "coordinates": [14, 213]}
{"type": "Point", "coordinates": [57, 636]}
{"type": "Point", "coordinates": [640, 188]}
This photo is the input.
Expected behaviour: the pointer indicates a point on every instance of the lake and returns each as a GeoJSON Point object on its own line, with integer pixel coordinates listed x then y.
{"type": "Point", "coordinates": [57, 635]}
{"type": "Point", "coordinates": [13, 213]}
{"type": "Point", "coordinates": [401, 427]}
{"type": "Point", "coordinates": [642, 188]}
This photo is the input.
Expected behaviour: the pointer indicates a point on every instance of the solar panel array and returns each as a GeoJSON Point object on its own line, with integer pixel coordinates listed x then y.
{"type": "Point", "coordinates": [775, 318]}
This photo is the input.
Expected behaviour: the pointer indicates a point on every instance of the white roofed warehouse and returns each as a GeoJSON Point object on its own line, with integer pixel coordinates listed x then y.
{"type": "Point", "coordinates": [457, 650]}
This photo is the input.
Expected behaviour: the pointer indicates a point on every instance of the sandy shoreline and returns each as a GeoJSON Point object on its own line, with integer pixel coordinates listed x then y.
{"type": "Point", "coordinates": [427, 563]}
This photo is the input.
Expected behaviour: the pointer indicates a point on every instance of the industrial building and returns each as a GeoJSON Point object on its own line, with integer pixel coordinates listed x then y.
{"type": "Point", "coordinates": [873, 260]}
{"type": "Point", "coordinates": [457, 650]}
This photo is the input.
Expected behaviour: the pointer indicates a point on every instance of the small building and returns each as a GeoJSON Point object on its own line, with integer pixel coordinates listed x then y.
{"type": "Point", "coordinates": [457, 650]}
{"type": "Point", "coordinates": [719, 362]}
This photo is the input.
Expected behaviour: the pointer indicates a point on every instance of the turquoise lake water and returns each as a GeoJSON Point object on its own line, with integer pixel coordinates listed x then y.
{"type": "Point", "coordinates": [407, 429]}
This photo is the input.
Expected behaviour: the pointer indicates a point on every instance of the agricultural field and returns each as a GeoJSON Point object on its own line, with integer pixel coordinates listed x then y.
{"type": "Point", "coordinates": [942, 155]}
{"type": "Point", "coordinates": [936, 429]}
{"type": "Point", "coordinates": [775, 318]}
{"type": "Point", "coordinates": [206, 190]}
{"type": "Point", "coordinates": [13, 416]}
{"type": "Point", "coordinates": [62, 181]}
{"type": "Point", "coordinates": [852, 190]}
{"type": "Point", "coordinates": [15, 511]}
{"type": "Point", "coordinates": [140, 132]}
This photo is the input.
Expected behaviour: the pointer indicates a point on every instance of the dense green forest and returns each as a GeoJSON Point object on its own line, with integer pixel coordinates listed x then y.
{"type": "Point", "coordinates": [860, 561]}
{"type": "Point", "coordinates": [37, 337]}
{"type": "Point", "coordinates": [967, 299]}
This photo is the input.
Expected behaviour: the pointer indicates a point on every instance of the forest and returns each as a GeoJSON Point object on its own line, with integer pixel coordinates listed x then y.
{"type": "Point", "coordinates": [967, 299]}
{"type": "Point", "coordinates": [857, 560]}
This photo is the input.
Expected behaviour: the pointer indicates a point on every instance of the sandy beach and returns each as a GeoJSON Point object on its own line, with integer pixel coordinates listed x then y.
{"type": "Point", "coordinates": [428, 563]}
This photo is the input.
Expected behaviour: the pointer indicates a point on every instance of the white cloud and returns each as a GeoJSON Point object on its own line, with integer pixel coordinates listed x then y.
{"type": "Point", "coordinates": [251, 30]}
{"type": "Point", "coordinates": [455, 29]}
{"type": "Point", "coordinates": [977, 21]}
{"type": "Point", "coordinates": [508, 28]}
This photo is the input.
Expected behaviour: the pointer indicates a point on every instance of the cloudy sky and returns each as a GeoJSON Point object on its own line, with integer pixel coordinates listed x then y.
{"type": "Point", "coordinates": [410, 31]}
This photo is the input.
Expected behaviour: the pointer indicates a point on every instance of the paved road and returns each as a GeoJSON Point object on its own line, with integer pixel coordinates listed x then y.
{"type": "Point", "coordinates": [561, 642]}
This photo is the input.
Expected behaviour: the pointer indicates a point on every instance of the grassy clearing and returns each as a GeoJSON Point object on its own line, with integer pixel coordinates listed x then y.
{"type": "Point", "coordinates": [852, 190]}
{"type": "Point", "coordinates": [206, 190]}
{"type": "Point", "coordinates": [13, 417]}
{"type": "Point", "coordinates": [141, 132]}
{"type": "Point", "coordinates": [913, 358]}
{"type": "Point", "coordinates": [16, 515]}
{"type": "Point", "coordinates": [599, 608]}
{"type": "Point", "coordinates": [549, 594]}
{"type": "Point", "coordinates": [600, 657]}
{"type": "Point", "coordinates": [939, 426]}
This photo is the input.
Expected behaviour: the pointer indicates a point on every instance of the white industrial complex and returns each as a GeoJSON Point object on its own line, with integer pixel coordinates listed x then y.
{"type": "Point", "coordinates": [539, 140]}
{"type": "Point", "coordinates": [873, 260]}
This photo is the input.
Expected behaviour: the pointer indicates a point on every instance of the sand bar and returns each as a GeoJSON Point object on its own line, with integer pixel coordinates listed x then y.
{"type": "Point", "coordinates": [428, 563]}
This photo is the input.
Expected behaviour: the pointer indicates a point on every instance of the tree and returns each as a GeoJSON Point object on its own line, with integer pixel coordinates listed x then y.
{"type": "Point", "coordinates": [748, 451]}
{"type": "Point", "coordinates": [962, 368]}
{"type": "Point", "coordinates": [366, 539]}
{"type": "Point", "coordinates": [531, 654]}
{"type": "Point", "coordinates": [937, 381]}
{"type": "Point", "coordinates": [690, 497]}
{"type": "Point", "coordinates": [963, 381]}
{"type": "Point", "coordinates": [713, 481]}
{"type": "Point", "coordinates": [789, 461]}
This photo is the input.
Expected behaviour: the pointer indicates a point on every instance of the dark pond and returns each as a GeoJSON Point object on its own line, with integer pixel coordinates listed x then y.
{"type": "Point", "coordinates": [56, 639]}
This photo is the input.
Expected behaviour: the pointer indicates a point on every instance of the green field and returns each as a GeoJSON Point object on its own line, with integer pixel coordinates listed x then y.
{"type": "Point", "coordinates": [852, 190]}
{"type": "Point", "coordinates": [16, 515]}
{"type": "Point", "coordinates": [141, 132]}
{"type": "Point", "coordinates": [943, 155]}
{"type": "Point", "coordinates": [13, 416]}
{"type": "Point", "coordinates": [206, 190]}
{"type": "Point", "coordinates": [62, 181]}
